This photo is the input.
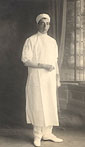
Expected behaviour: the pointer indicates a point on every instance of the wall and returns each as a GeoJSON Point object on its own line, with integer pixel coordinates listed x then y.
{"type": "Point", "coordinates": [72, 105]}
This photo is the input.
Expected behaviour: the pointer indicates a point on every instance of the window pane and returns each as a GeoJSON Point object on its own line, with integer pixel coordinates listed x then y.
{"type": "Point", "coordinates": [73, 67]}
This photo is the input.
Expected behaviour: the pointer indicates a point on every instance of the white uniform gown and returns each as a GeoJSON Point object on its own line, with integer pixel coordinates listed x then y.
{"type": "Point", "coordinates": [41, 99]}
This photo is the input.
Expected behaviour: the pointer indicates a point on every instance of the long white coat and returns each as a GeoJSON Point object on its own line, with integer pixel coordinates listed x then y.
{"type": "Point", "coordinates": [41, 99]}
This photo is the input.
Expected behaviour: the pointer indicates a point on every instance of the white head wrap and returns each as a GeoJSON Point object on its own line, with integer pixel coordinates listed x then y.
{"type": "Point", "coordinates": [40, 16]}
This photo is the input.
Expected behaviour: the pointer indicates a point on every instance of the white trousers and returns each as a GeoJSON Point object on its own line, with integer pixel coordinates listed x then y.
{"type": "Point", "coordinates": [41, 131]}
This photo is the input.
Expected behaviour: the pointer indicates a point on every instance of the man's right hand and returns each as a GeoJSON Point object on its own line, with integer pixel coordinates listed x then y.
{"type": "Point", "coordinates": [47, 67]}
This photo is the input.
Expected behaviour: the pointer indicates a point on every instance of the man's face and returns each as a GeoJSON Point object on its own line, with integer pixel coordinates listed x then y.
{"type": "Point", "coordinates": [43, 25]}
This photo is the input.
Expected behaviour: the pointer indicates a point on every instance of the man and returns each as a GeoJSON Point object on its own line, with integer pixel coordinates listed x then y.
{"type": "Point", "coordinates": [40, 53]}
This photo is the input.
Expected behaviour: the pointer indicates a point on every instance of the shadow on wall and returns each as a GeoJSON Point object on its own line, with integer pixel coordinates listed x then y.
{"type": "Point", "coordinates": [12, 75]}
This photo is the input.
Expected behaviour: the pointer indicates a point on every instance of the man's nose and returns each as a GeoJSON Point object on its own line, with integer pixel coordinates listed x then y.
{"type": "Point", "coordinates": [44, 24]}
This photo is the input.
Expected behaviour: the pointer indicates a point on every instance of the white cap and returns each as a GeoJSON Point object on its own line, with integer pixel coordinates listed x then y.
{"type": "Point", "coordinates": [40, 16]}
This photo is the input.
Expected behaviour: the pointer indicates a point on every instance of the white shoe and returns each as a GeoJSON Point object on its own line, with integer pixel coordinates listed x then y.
{"type": "Point", "coordinates": [52, 138]}
{"type": "Point", "coordinates": [37, 141]}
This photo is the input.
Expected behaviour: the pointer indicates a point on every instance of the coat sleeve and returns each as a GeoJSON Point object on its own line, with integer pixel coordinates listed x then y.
{"type": "Point", "coordinates": [27, 51]}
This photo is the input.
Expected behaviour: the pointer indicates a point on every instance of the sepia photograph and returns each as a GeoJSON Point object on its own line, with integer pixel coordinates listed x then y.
{"type": "Point", "coordinates": [42, 73]}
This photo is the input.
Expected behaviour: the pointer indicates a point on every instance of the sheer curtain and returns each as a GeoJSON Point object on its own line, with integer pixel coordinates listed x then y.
{"type": "Point", "coordinates": [61, 27]}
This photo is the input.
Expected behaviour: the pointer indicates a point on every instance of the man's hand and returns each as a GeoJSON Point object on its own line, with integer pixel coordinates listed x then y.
{"type": "Point", "coordinates": [49, 67]}
{"type": "Point", "coordinates": [46, 66]}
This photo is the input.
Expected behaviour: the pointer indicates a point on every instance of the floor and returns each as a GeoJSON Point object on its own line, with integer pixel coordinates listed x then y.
{"type": "Point", "coordinates": [24, 138]}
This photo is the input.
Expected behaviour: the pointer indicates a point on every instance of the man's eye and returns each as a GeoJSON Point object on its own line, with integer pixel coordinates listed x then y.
{"type": "Point", "coordinates": [42, 23]}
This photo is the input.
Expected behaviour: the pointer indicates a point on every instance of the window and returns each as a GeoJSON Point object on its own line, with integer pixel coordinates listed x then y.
{"type": "Point", "coordinates": [73, 67]}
